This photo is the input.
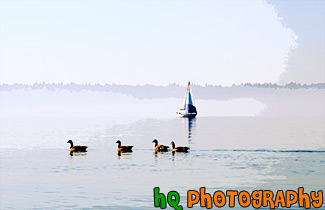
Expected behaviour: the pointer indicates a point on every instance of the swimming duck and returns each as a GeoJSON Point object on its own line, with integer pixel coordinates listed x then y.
{"type": "Point", "coordinates": [178, 149]}
{"type": "Point", "coordinates": [77, 148]}
{"type": "Point", "coordinates": [159, 147]}
{"type": "Point", "coordinates": [123, 148]}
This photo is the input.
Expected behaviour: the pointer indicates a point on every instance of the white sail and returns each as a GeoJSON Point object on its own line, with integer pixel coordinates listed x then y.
{"type": "Point", "coordinates": [185, 97]}
{"type": "Point", "coordinates": [189, 99]}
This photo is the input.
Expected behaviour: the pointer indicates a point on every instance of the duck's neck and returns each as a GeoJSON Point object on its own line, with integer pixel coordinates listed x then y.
{"type": "Point", "coordinates": [118, 144]}
{"type": "Point", "coordinates": [173, 145]}
{"type": "Point", "coordinates": [71, 144]}
{"type": "Point", "coordinates": [156, 143]}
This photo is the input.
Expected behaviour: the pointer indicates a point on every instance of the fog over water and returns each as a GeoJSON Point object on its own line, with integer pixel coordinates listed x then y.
{"type": "Point", "coordinates": [155, 101]}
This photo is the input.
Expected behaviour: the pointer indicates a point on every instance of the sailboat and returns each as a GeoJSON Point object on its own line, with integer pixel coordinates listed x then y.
{"type": "Point", "coordinates": [188, 109]}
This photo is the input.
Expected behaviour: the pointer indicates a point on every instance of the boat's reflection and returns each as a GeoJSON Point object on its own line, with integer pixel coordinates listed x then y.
{"type": "Point", "coordinates": [189, 125]}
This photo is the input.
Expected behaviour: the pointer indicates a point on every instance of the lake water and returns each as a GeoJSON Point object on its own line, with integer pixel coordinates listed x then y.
{"type": "Point", "coordinates": [227, 153]}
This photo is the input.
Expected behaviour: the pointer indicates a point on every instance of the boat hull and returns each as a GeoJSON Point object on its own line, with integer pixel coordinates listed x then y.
{"type": "Point", "coordinates": [186, 115]}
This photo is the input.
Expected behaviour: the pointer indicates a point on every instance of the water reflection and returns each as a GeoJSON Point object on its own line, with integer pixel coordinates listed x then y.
{"type": "Point", "coordinates": [78, 153]}
{"type": "Point", "coordinates": [119, 153]}
{"type": "Point", "coordinates": [189, 125]}
{"type": "Point", "coordinates": [124, 155]}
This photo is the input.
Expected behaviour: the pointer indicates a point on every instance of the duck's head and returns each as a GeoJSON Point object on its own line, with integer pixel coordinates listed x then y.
{"type": "Point", "coordinates": [155, 141]}
{"type": "Point", "coordinates": [173, 144]}
{"type": "Point", "coordinates": [71, 143]}
{"type": "Point", "coordinates": [118, 142]}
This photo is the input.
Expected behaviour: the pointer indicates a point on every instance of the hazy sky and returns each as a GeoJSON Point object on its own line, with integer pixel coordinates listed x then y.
{"type": "Point", "coordinates": [306, 18]}
{"type": "Point", "coordinates": [157, 41]}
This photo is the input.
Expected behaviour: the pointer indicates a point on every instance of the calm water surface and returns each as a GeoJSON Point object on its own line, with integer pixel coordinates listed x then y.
{"type": "Point", "coordinates": [227, 153]}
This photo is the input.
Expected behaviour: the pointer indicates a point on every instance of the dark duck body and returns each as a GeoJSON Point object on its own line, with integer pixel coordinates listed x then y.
{"type": "Point", "coordinates": [77, 148]}
{"type": "Point", "coordinates": [159, 147]}
{"type": "Point", "coordinates": [178, 149]}
{"type": "Point", "coordinates": [123, 148]}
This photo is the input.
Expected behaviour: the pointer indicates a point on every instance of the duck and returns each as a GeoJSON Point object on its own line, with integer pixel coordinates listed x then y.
{"type": "Point", "coordinates": [123, 148]}
{"type": "Point", "coordinates": [178, 149]}
{"type": "Point", "coordinates": [159, 147]}
{"type": "Point", "coordinates": [76, 148]}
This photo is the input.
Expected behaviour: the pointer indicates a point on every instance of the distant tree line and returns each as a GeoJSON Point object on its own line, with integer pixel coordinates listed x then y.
{"type": "Point", "coordinates": [207, 92]}
{"type": "Point", "coordinates": [114, 87]}
{"type": "Point", "coordinates": [291, 85]}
